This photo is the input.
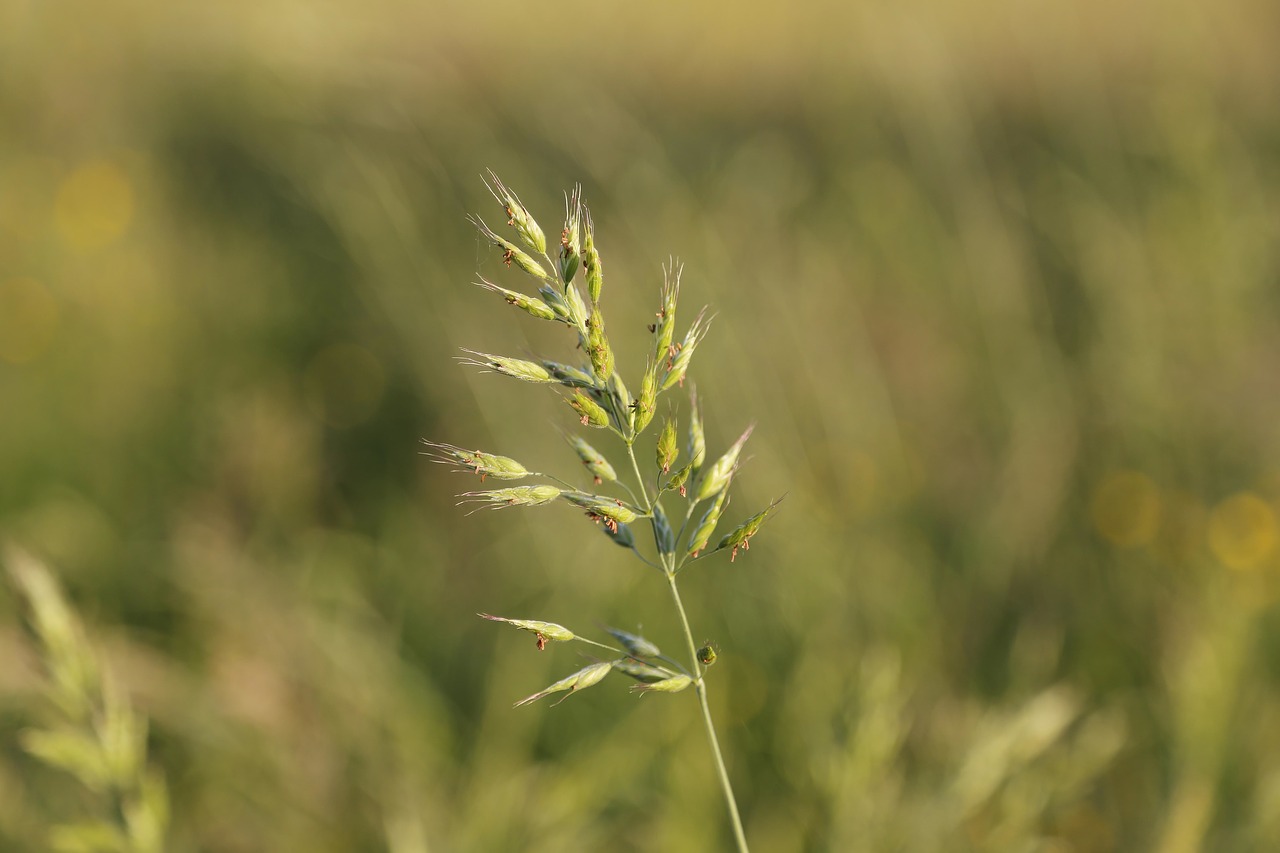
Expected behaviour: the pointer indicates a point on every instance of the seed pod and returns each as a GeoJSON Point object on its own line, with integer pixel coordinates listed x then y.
{"type": "Point", "coordinates": [517, 216]}
{"type": "Point", "coordinates": [534, 307]}
{"type": "Point", "coordinates": [477, 462]}
{"type": "Point", "coordinates": [511, 252]}
{"type": "Point", "coordinates": [647, 401]}
{"type": "Point", "coordinates": [570, 255]}
{"type": "Point", "coordinates": [740, 537]}
{"type": "Point", "coordinates": [580, 680]}
{"type": "Point", "coordinates": [589, 410]}
{"type": "Point", "coordinates": [544, 630]}
{"type": "Point", "coordinates": [598, 345]}
{"type": "Point", "coordinates": [679, 365]}
{"type": "Point", "coordinates": [641, 671]}
{"type": "Point", "coordinates": [591, 258]}
{"type": "Point", "coordinates": [513, 496]}
{"type": "Point", "coordinates": [702, 533]}
{"type": "Point", "coordinates": [599, 467]}
{"type": "Point", "coordinates": [674, 684]}
{"type": "Point", "coordinates": [634, 644]}
{"type": "Point", "coordinates": [668, 448]}
{"type": "Point", "coordinates": [554, 298]}
{"type": "Point", "coordinates": [664, 538]}
{"type": "Point", "coordinates": [716, 478]}
{"type": "Point", "coordinates": [517, 368]}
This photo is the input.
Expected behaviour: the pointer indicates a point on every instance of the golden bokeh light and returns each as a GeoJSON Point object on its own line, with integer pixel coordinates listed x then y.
{"type": "Point", "coordinates": [1242, 531]}
{"type": "Point", "coordinates": [95, 206]}
{"type": "Point", "coordinates": [1126, 509]}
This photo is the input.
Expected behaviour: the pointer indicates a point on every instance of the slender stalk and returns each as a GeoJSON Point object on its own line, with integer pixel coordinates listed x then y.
{"type": "Point", "coordinates": [700, 686]}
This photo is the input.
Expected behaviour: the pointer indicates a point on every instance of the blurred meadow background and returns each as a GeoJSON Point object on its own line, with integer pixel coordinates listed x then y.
{"type": "Point", "coordinates": [998, 282]}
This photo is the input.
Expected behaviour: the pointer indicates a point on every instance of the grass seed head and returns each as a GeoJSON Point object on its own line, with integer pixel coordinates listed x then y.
{"type": "Point", "coordinates": [580, 680]}
{"type": "Point", "coordinates": [645, 404]}
{"type": "Point", "coordinates": [530, 305]}
{"type": "Point", "coordinates": [598, 349]}
{"type": "Point", "coordinates": [516, 368]}
{"type": "Point", "coordinates": [664, 328]}
{"type": "Point", "coordinates": [477, 462]}
{"type": "Point", "coordinates": [707, 526]}
{"type": "Point", "coordinates": [517, 215]}
{"type": "Point", "coordinates": [708, 653]}
{"type": "Point", "coordinates": [513, 496]}
{"type": "Point", "coordinates": [697, 438]}
{"type": "Point", "coordinates": [599, 467]}
{"type": "Point", "coordinates": [544, 630]}
{"type": "Point", "coordinates": [664, 537]}
{"type": "Point", "coordinates": [740, 536]}
{"type": "Point", "coordinates": [511, 252]}
{"type": "Point", "coordinates": [716, 478]}
{"type": "Point", "coordinates": [668, 448]}
{"type": "Point", "coordinates": [674, 684]}
{"type": "Point", "coordinates": [589, 411]}
{"type": "Point", "coordinates": [609, 510]}
{"type": "Point", "coordinates": [570, 253]}
{"type": "Point", "coordinates": [678, 365]}
{"type": "Point", "coordinates": [620, 534]}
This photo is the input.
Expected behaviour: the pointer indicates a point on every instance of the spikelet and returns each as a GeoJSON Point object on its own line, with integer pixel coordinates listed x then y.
{"type": "Point", "coordinates": [517, 215]}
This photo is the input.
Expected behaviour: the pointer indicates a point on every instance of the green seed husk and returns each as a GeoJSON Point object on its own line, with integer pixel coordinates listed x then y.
{"type": "Point", "coordinates": [674, 684]}
{"type": "Point", "coordinates": [679, 365]}
{"type": "Point", "coordinates": [667, 448]}
{"type": "Point", "coordinates": [589, 411]}
{"type": "Point", "coordinates": [599, 467]}
{"type": "Point", "coordinates": [740, 537]}
{"type": "Point", "coordinates": [512, 252]}
{"type": "Point", "coordinates": [580, 680]}
{"type": "Point", "coordinates": [545, 630]}
{"type": "Point", "coordinates": [516, 368]}
{"type": "Point", "coordinates": [648, 399]}
{"type": "Point", "coordinates": [514, 496]}
{"type": "Point", "coordinates": [603, 507]}
{"type": "Point", "coordinates": [528, 304]}
{"type": "Point", "coordinates": [570, 254]}
{"type": "Point", "coordinates": [708, 653]}
{"type": "Point", "coordinates": [598, 349]}
{"type": "Point", "coordinates": [517, 215]}
{"type": "Point", "coordinates": [716, 478]}
{"type": "Point", "coordinates": [665, 328]}
{"type": "Point", "coordinates": [477, 461]}
{"type": "Point", "coordinates": [622, 404]}
{"type": "Point", "coordinates": [591, 258]}
{"type": "Point", "coordinates": [707, 526]}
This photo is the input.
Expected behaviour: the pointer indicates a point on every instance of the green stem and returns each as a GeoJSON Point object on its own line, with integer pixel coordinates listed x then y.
{"type": "Point", "coordinates": [700, 686]}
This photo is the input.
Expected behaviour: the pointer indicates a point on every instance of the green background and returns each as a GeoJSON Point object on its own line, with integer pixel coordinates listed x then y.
{"type": "Point", "coordinates": [997, 283]}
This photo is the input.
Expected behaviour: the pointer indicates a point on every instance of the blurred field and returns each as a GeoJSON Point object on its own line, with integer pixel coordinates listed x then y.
{"type": "Point", "coordinates": [999, 282]}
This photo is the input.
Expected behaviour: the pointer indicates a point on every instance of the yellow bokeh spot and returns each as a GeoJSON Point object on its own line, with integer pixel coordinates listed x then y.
{"type": "Point", "coordinates": [94, 206]}
{"type": "Point", "coordinates": [1126, 509]}
{"type": "Point", "coordinates": [1242, 531]}
{"type": "Point", "coordinates": [28, 319]}
{"type": "Point", "coordinates": [344, 384]}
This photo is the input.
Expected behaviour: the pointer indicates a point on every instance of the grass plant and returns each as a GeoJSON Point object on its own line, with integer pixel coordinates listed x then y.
{"type": "Point", "coordinates": [679, 497]}
{"type": "Point", "coordinates": [97, 737]}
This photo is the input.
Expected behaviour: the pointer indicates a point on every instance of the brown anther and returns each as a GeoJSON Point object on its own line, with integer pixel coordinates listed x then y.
{"type": "Point", "coordinates": [585, 420]}
{"type": "Point", "coordinates": [507, 256]}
